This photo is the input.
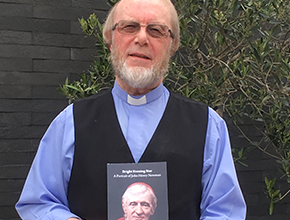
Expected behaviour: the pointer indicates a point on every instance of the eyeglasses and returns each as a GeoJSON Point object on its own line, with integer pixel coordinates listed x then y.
{"type": "Point", "coordinates": [132, 27]}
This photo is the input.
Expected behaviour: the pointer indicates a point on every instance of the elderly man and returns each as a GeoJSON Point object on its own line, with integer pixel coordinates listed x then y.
{"type": "Point", "coordinates": [139, 120]}
{"type": "Point", "coordinates": [138, 202]}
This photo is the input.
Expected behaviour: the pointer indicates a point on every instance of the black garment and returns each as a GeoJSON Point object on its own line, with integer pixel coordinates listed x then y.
{"type": "Point", "coordinates": [179, 140]}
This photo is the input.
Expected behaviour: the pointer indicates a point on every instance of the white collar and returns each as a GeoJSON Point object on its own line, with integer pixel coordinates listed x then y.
{"type": "Point", "coordinates": [138, 100]}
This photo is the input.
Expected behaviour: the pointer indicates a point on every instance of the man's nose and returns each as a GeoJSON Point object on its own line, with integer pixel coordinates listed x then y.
{"type": "Point", "coordinates": [139, 209]}
{"type": "Point", "coordinates": [141, 36]}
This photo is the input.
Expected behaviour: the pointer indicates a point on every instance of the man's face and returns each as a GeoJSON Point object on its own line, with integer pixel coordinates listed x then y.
{"type": "Point", "coordinates": [140, 51]}
{"type": "Point", "coordinates": [138, 207]}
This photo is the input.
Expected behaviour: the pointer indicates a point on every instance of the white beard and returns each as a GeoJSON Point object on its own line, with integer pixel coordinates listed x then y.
{"type": "Point", "coordinates": [139, 77]}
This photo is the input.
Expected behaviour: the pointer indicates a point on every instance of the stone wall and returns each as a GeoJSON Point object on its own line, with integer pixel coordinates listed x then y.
{"type": "Point", "coordinates": [41, 44]}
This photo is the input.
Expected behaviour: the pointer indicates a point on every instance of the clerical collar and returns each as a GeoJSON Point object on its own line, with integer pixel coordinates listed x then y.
{"type": "Point", "coordinates": [138, 100]}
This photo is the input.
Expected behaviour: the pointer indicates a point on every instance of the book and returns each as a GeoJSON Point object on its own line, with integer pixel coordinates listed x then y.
{"type": "Point", "coordinates": [142, 182]}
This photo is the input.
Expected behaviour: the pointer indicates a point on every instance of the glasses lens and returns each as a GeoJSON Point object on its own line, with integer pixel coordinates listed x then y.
{"type": "Point", "coordinates": [157, 30]}
{"type": "Point", "coordinates": [132, 27]}
{"type": "Point", "coordinates": [128, 27]}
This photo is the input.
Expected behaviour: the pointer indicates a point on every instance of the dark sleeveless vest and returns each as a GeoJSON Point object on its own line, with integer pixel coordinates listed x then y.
{"type": "Point", "coordinates": [179, 140]}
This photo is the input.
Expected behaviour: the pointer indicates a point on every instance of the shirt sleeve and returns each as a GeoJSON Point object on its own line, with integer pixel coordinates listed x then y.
{"type": "Point", "coordinates": [222, 198]}
{"type": "Point", "coordinates": [44, 193]}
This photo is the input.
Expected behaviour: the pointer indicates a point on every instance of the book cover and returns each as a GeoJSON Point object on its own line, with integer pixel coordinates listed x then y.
{"type": "Point", "coordinates": [137, 191]}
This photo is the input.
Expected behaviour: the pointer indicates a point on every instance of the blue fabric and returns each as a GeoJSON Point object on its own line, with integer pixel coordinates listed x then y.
{"type": "Point", "coordinates": [139, 122]}
{"type": "Point", "coordinates": [44, 193]}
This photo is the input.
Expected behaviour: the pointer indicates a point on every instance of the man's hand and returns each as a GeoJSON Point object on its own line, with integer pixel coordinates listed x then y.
{"type": "Point", "coordinates": [73, 219]}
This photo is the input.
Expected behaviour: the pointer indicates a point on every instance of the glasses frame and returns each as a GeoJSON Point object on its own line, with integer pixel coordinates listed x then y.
{"type": "Point", "coordinates": [143, 25]}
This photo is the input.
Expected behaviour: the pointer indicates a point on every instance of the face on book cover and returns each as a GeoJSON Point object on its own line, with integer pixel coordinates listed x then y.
{"type": "Point", "coordinates": [138, 207]}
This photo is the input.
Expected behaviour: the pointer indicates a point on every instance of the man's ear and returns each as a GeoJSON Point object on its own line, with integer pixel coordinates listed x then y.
{"type": "Point", "coordinates": [124, 208]}
{"type": "Point", "coordinates": [107, 37]}
{"type": "Point", "coordinates": [174, 47]}
{"type": "Point", "coordinates": [152, 211]}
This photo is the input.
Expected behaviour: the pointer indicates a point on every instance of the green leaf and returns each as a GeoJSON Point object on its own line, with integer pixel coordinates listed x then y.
{"type": "Point", "coordinates": [271, 208]}
{"type": "Point", "coordinates": [220, 38]}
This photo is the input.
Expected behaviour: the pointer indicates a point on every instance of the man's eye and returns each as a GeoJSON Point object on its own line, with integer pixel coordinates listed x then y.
{"type": "Point", "coordinates": [155, 29]}
{"type": "Point", "coordinates": [146, 204]}
{"type": "Point", "coordinates": [130, 28]}
{"type": "Point", "coordinates": [133, 204]}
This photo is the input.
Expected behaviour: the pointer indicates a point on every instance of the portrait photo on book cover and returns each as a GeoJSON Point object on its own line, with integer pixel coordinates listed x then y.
{"type": "Point", "coordinates": [137, 197]}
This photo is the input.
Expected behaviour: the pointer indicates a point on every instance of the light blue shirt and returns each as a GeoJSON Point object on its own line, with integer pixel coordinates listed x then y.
{"type": "Point", "coordinates": [44, 195]}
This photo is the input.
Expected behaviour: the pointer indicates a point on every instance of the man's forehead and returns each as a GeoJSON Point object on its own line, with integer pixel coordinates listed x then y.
{"type": "Point", "coordinates": [144, 2]}
{"type": "Point", "coordinates": [129, 9]}
{"type": "Point", "coordinates": [140, 197]}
